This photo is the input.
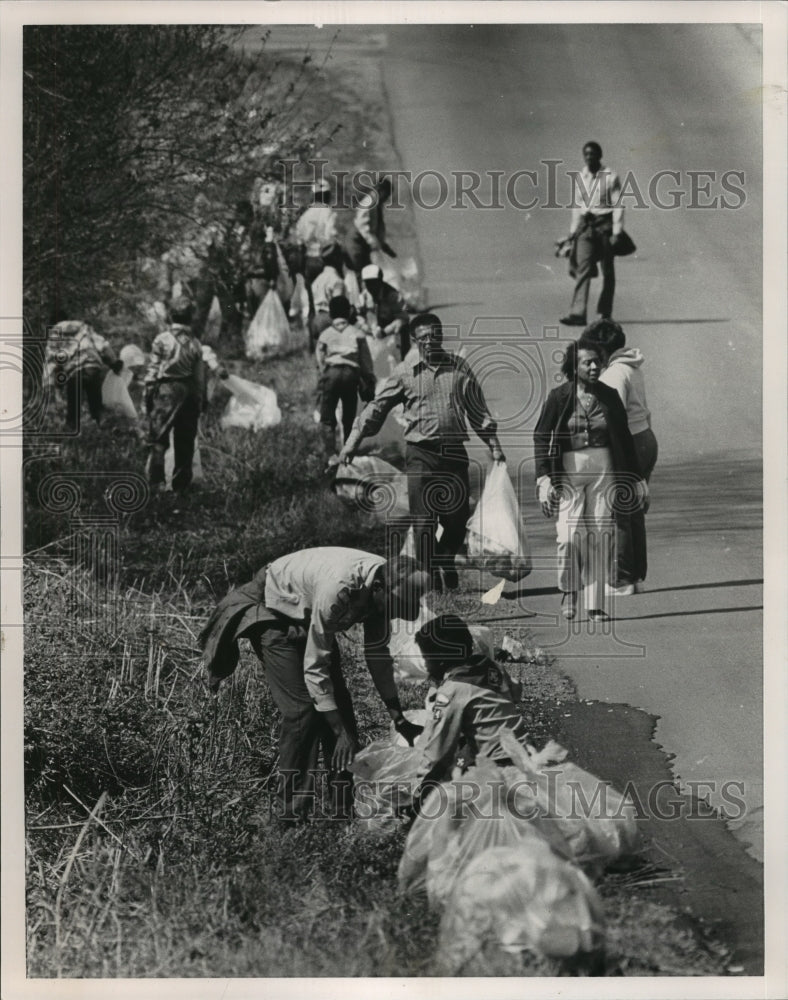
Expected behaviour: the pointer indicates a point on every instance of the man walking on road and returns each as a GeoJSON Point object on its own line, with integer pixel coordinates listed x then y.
{"type": "Point", "coordinates": [291, 612]}
{"type": "Point", "coordinates": [597, 222]}
{"type": "Point", "coordinates": [440, 395]}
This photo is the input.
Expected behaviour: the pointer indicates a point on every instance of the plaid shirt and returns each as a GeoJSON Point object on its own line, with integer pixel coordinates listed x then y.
{"type": "Point", "coordinates": [176, 356]}
{"type": "Point", "coordinates": [437, 402]}
{"type": "Point", "coordinates": [74, 346]}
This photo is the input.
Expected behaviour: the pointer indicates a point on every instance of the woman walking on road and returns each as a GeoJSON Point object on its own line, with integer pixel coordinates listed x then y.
{"type": "Point", "coordinates": [587, 470]}
{"type": "Point", "coordinates": [624, 373]}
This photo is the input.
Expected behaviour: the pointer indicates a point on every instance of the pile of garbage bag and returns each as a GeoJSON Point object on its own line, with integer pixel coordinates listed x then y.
{"type": "Point", "coordinates": [251, 406]}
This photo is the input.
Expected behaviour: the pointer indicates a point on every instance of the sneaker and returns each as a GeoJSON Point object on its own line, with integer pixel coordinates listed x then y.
{"type": "Point", "coordinates": [625, 590]}
{"type": "Point", "coordinates": [596, 615]}
{"type": "Point", "coordinates": [573, 320]}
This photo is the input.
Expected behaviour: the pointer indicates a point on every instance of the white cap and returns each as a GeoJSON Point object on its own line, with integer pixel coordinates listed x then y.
{"type": "Point", "coordinates": [321, 185]}
{"type": "Point", "coordinates": [370, 272]}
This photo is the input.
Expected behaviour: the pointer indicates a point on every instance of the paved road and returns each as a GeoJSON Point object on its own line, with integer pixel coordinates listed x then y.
{"type": "Point", "coordinates": [657, 98]}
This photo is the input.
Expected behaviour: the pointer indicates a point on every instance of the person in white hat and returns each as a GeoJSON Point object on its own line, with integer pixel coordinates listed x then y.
{"type": "Point", "coordinates": [382, 311]}
{"type": "Point", "coordinates": [316, 227]}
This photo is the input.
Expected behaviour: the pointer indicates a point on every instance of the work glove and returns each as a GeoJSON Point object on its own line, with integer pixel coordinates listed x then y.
{"type": "Point", "coordinates": [547, 496]}
{"type": "Point", "coordinates": [407, 730]}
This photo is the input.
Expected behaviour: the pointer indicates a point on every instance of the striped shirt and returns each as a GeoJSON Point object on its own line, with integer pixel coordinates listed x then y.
{"type": "Point", "coordinates": [437, 399]}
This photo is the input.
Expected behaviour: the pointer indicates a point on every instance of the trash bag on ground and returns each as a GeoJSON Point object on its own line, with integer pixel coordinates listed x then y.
{"type": "Point", "coordinates": [268, 333]}
{"type": "Point", "coordinates": [384, 782]}
{"type": "Point", "coordinates": [251, 406]}
{"type": "Point", "coordinates": [115, 396]}
{"type": "Point", "coordinates": [521, 897]}
{"type": "Point", "coordinates": [496, 539]}
{"type": "Point", "coordinates": [598, 823]}
{"type": "Point", "coordinates": [374, 485]}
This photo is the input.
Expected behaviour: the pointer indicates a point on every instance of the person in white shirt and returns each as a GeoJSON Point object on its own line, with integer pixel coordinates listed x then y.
{"type": "Point", "coordinates": [597, 223]}
{"type": "Point", "coordinates": [326, 286]}
{"type": "Point", "coordinates": [624, 373]}
{"type": "Point", "coordinates": [291, 612]}
{"type": "Point", "coordinates": [316, 227]}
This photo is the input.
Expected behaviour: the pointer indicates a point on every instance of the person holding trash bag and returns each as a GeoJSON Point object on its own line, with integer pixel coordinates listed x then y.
{"type": "Point", "coordinates": [596, 228]}
{"type": "Point", "coordinates": [440, 395]}
{"type": "Point", "coordinates": [383, 312]}
{"type": "Point", "coordinates": [369, 227]}
{"type": "Point", "coordinates": [624, 372]}
{"type": "Point", "coordinates": [175, 388]}
{"type": "Point", "coordinates": [346, 371]}
{"type": "Point", "coordinates": [587, 469]}
{"type": "Point", "coordinates": [316, 227]}
{"type": "Point", "coordinates": [77, 359]}
{"type": "Point", "coordinates": [292, 612]}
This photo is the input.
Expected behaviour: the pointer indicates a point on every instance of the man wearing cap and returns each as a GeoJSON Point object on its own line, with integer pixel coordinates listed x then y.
{"type": "Point", "coordinates": [440, 395]}
{"type": "Point", "coordinates": [328, 284]}
{"type": "Point", "coordinates": [292, 612]}
{"type": "Point", "coordinates": [77, 359]}
{"type": "Point", "coordinates": [383, 312]}
{"type": "Point", "coordinates": [597, 223]}
{"type": "Point", "coordinates": [174, 396]}
{"type": "Point", "coordinates": [346, 371]}
{"type": "Point", "coordinates": [316, 227]}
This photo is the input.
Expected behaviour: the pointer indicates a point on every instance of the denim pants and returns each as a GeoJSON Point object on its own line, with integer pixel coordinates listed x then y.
{"type": "Point", "coordinates": [280, 646]}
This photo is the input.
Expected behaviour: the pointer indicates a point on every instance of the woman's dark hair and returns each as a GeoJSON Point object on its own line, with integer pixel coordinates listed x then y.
{"type": "Point", "coordinates": [605, 334]}
{"type": "Point", "coordinates": [446, 639]}
{"type": "Point", "coordinates": [569, 364]}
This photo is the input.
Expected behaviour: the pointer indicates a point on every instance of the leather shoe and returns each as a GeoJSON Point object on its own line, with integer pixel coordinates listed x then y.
{"type": "Point", "coordinates": [573, 320]}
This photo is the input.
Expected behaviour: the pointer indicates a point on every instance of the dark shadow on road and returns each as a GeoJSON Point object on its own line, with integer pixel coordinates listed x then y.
{"type": "Point", "coordinates": [684, 614]}
{"type": "Point", "coordinates": [513, 595]}
{"type": "Point", "coordinates": [448, 305]}
{"type": "Point", "coordinates": [703, 586]}
{"type": "Point", "coordinates": [658, 322]}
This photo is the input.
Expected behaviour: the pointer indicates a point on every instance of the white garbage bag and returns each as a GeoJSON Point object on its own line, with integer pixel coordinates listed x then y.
{"type": "Point", "coordinates": [213, 324]}
{"type": "Point", "coordinates": [496, 538]}
{"type": "Point", "coordinates": [299, 302]}
{"type": "Point", "coordinates": [374, 485]}
{"type": "Point", "coordinates": [115, 396]}
{"type": "Point", "coordinates": [251, 406]}
{"type": "Point", "coordinates": [268, 333]}
{"type": "Point", "coordinates": [133, 357]}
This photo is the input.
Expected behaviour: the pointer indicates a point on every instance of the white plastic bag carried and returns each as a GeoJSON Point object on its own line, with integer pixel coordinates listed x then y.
{"type": "Point", "coordinates": [496, 538]}
{"type": "Point", "coordinates": [374, 485]}
{"type": "Point", "coordinates": [251, 406]}
{"type": "Point", "coordinates": [213, 323]}
{"type": "Point", "coordinates": [299, 301]}
{"type": "Point", "coordinates": [268, 333]}
{"type": "Point", "coordinates": [115, 396]}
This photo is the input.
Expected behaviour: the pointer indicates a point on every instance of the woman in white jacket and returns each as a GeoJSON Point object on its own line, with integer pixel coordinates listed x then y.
{"type": "Point", "coordinates": [624, 374]}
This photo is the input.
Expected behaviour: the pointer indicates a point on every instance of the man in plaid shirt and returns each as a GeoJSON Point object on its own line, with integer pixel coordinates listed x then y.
{"type": "Point", "coordinates": [77, 359]}
{"type": "Point", "coordinates": [174, 396]}
{"type": "Point", "coordinates": [440, 396]}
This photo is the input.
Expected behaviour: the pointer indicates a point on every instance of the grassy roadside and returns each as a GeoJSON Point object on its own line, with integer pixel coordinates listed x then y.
{"type": "Point", "coordinates": [148, 852]}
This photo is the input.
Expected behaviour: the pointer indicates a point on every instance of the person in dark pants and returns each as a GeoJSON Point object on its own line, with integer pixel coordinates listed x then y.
{"type": "Point", "coordinates": [77, 359]}
{"type": "Point", "coordinates": [292, 612]}
{"type": "Point", "coordinates": [369, 228]}
{"type": "Point", "coordinates": [440, 395]}
{"type": "Point", "coordinates": [597, 222]}
{"type": "Point", "coordinates": [624, 373]}
{"type": "Point", "coordinates": [346, 371]}
{"type": "Point", "coordinates": [174, 396]}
